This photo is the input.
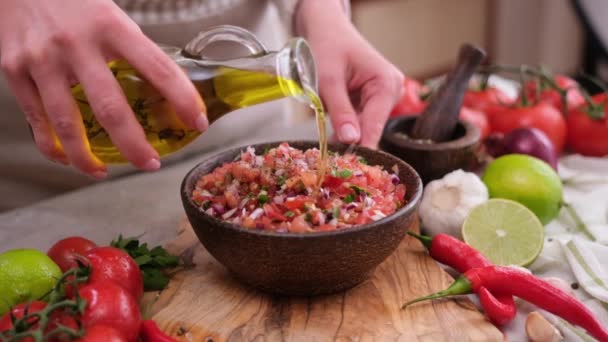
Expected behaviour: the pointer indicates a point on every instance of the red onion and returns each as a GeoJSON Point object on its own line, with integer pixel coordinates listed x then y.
{"type": "Point", "coordinates": [218, 208]}
{"type": "Point", "coordinates": [526, 140]}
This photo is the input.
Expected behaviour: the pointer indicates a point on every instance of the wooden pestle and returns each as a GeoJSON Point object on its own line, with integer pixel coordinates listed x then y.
{"type": "Point", "coordinates": [438, 121]}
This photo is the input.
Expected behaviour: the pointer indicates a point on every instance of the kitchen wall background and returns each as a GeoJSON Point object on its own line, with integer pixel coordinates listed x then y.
{"type": "Point", "coordinates": [422, 37]}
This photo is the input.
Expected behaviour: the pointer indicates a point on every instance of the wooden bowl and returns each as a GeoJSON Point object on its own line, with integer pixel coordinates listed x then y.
{"type": "Point", "coordinates": [308, 263]}
{"type": "Point", "coordinates": [432, 160]}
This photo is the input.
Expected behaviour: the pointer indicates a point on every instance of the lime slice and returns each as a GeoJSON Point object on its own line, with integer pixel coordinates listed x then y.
{"type": "Point", "coordinates": [505, 231]}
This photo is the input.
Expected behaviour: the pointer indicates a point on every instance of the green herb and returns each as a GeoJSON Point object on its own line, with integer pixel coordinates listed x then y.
{"type": "Point", "coordinates": [336, 212]}
{"type": "Point", "coordinates": [363, 161]}
{"type": "Point", "coordinates": [349, 198]}
{"type": "Point", "coordinates": [263, 197]}
{"type": "Point", "coordinates": [281, 180]}
{"type": "Point", "coordinates": [289, 214]}
{"type": "Point", "coordinates": [151, 262]}
{"type": "Point", "coordinates": [206, 204]}
{"type": "Point", "coordinates": [345, 173]}
{"type": "Point", "coordinates": [308, 217]}
{"type": "Point", "coordinates": [267, 149]}
{"type": "Point", "coordinates": [359, 190]}
{"type": "Point", "coordinates": [306, 207]}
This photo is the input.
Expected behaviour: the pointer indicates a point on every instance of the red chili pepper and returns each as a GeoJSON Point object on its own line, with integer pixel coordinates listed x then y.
{"type": "Point", "coordinates": [150, 332]}
{"type": "Point", "coordinates": [508, 280]}
{"type": "Point", "coordinates": [450, 251]}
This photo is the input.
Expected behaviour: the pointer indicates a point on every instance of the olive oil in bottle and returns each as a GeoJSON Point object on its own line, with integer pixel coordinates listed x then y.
{"type": "Point", "coordinates": [223, 90]}
{"type": "Point", "coordinates": [224, 85]}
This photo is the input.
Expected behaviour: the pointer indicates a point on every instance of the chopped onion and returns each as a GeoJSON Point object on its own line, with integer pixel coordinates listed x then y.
{"type": "Point", "coordinates": [351, 206]}
{"type": "Point", "coordinates": [358, 173]}
{"type": "Point", "coordinates": [243, 202]}
{"type": "Point", "coordinates": [206, 193]}
{"type": "Point", "coordinates": [259, 226]}
{"type": "Point", "coordinates": [256, 213]}
{"type": "Point", "coordinates": [279, 172]}
{"type": "Point", "coordinates": [378, 215]}
{"type": "Point", "coordinates": [334, 222]}
{"type": "Point", "coordinates": [325, 193]}
{"type": "Point", "coordinates": [229, 213]}
{"type": "Point", "coordinates": [395, 168]}
{"type": "Point", "coordinates": [219, 209]}
{"type": "Point", "coordinates": [210, 211]}
{"type": "Point", "coordinates": [395, 179]}
{"type": "Point", "coordinates": [279, 199]}
{"type": "Point", "coordinates": [368, 202]}
{"type": "Point", "coordinates": [259, 161]}
{"type": "Point", "coordinates": [321, 218]}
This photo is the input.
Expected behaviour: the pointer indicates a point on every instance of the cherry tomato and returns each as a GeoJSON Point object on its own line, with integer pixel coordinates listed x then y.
{"type": "Point", "coordinates": [486, 100]}
{"type": "Point", "coordinates": [109, 263]}
{"type": "Point", "coordinates": [63, 251]}
{"type": "Point", "coordinates": [410, 102]}
{"type": "Point", "coordinates": [110, 304]}
{"type": "Point", "coordinates": [477, 118]}
{"type": "Point", "coordinates": [574, 98]}
{"type": "Point", "coordinates": [18, 312]}
{"type": "Point", "coordinates": [586, 135]}
{"type": "Point", "coordinates": [102, 333]}
{"type": "Point", "coordinates": [542, 116]}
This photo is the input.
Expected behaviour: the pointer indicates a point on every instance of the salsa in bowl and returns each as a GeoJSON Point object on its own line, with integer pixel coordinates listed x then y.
{"type": "Point", "coordinates": [298, 243]}
{"type": "Point", "coordinates": [280, 190]}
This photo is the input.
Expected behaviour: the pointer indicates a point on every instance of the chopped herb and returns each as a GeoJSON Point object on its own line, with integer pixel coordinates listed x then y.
{"type": "Point", "coordinates": [263, 197]}
{"type": "Point", "coordinates": [345, 173]}
{"type": "Point", "coordinates": [308, 217]}
{"type": "Point", "coordinates": [281, 180]}
{"type": "Point", "coordinates": [363, 161]}
{"type": "Point", "coordinates": [306, 207]}
{"type": "Point", "coordinates": [349, 198]}
{"type": "Point", "coordinates": [206, 204]}
{"type": "Point", "coordinates": [289, 214]}
{"type": "Point", "coordinates": [336, 212]}
{"type": "Point", "coordinates": [267, 149]}
{"type": "Point", "coordinates": [359, 190]}
{"type": "Point", "coordinates": [333, 172]}
{"type": "Point", "coordinates": [151, 262]}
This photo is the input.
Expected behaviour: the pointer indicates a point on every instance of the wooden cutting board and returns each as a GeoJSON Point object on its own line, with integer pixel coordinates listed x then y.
{"type": "Point", "coordinates": [206, 304]}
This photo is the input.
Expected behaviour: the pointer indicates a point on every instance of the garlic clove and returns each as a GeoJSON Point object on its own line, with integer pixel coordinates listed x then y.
{"type": "Point", "coordinates": [539, 329]}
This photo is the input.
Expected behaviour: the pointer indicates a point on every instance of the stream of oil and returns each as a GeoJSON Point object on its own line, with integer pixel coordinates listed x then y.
{"type": "Point", "coordinates": [223, 89]}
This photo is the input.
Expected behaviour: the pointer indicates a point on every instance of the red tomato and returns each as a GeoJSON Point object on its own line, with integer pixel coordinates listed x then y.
{"type": "Point", "coordinates": [294, 203]}
{"type": "Point", "coordinates": [110, 304]}
{"type": "Point", "coordinates": [477, 118]}
{"type": "Point", "coordinates": [410, 102]}
{"type": "Point", "coordinates": [574, 98]}
{"type": "Point", "coordinates": [485, 100]}
{"type": "Point", "coordinates": [18, 312]}
{"type": "Point", "coordinates": [586, 135]}
{"type": "Point", "coordinates": [109, 263]}
{"type": "Point", "coordinates": [63, 251]}
{"type": "Point", "coordinates": [102, 333]}
{"type": "Point", "coordinates": [274, 212]}
{"type": "Point", "coordinates": [542, 116]}
{"type": "Point", "coordinates": [332, 182]}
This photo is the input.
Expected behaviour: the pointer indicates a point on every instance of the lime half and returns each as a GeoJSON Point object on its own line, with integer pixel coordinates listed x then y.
{"type": "Point", "coordinates": [505, 231]}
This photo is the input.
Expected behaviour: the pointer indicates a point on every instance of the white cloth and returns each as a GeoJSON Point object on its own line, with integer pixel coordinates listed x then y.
{"type": "Point", "coordinates": [578, 258]}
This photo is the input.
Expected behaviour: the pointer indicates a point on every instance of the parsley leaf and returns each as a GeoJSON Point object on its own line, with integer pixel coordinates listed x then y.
{"type": "Point", "coordinates": [349, 198]}
{"type": "Point", "coordinates": [151, 262]}
{"type": "Point", "coordinates": [344, 173]}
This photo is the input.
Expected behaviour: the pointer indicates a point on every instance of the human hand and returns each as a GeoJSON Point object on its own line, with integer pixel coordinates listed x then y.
{"type": "Point", "coordinates": [48, 46]}
{"type": "Point", "coordinates": [347, 64]}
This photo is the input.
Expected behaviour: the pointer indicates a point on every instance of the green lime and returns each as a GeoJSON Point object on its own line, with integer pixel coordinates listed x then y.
{"type": "Point", "coordinates": [505, 231]}
{"type": "Point", "coordinates": [25, 274]}
{"type": "Point", "coordinates": [527, 180]}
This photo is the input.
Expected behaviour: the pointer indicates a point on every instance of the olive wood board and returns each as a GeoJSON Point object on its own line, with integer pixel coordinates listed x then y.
{"type": "Point", "coordinates": [204, 303]}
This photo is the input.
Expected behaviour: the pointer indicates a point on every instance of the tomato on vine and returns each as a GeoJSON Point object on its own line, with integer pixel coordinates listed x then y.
{"type": "Point", "coordinates": [588, 127]}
